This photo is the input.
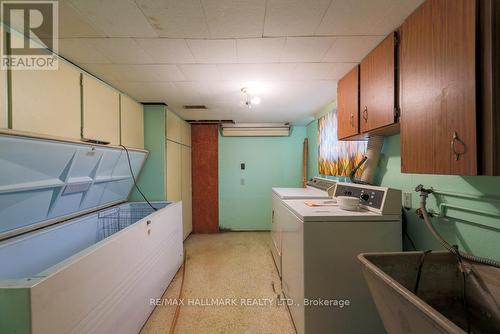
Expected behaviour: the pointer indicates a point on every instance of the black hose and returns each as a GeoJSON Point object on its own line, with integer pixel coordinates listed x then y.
{"type": "Point", "coordinates": [419, 271]}
{"type": "Point", "coordinates": [135, 182]}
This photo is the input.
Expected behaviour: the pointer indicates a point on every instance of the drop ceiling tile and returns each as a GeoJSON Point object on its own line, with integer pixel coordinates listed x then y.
{"type": "Point", "coordinates": [294, 17]}
{"type": "Point", "coordinates": [112, 72]}
{"type": "Point", "coordinates": [306, 49]}
{"type": "Point", "coordinates": [72, 24]}
{"type": "Point", "coordinates": [120, 50]}
{"type": "Point", "coordinates": [80, 50]}
{"type": "Point", "coordinates": [176, 19]}
{"type": "Point", "coordinates": [351, 48]}
{"type": "Point", "coordinates": [395, 16]}
{"type": "Point", "coordinates": [260, 50]}
{"type": "Point", "coordinates": [241, 72]}
{"type": "Point", "coordinates": [166, 51]}
{"type": "Point", "coordinates": [146, 91]}
{"type": "Point", "coordinates": [361, 17]}
{"type": "Point", "coordinates": [278, 71]}
{"type": "Point", "coordinates": [116, 18]}
{"type": "Point", "coordinates": [321, 71]}
{"type": "Point", "coordinates": [200, 72]}
{"type": "Point", "coordinates": [213, 51]}
{"type": "Point", "coordinates": [257, 72]}
{"type": "Point", "coordinates": [231, 19]}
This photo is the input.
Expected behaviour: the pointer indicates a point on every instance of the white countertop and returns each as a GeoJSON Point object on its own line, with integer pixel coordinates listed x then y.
{"type": "Point", "coordinates": [334, 213]}
{"type": "Point", "coordinates": [297, 193]}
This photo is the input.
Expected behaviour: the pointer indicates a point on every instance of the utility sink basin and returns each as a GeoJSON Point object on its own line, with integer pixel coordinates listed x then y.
{"type": "Point", "coordinates": [438, 304]}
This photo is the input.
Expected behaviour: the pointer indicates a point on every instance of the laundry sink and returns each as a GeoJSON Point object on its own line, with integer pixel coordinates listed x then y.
{"type": "Point", "coordinates": [438, 305]}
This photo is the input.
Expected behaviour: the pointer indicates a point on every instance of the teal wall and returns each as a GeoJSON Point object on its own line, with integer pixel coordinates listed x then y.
{"type": "Point", "coordinates": [478, 234]}
{"type": "Point", "coordinates": [151, 180]}
{"type": "Point", "coordinates": [312, 154]}
{"type": "Point", "coordinates": [270, 162]}
{"type": "Point", "coordinates": [472, 232]}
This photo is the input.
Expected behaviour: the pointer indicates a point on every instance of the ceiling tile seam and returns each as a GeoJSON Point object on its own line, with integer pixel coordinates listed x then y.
{"type": "Point", "coordinates": [215, 81]}
{"type": "Point", "coordinates": [217, 64]}
{"type": "Point", "coordinates": [205, 18]}
{"type": "Point", "coordinates": [264, 20]}
{"type": "Point", "coordinates": [222, 38]}
{"type": "Point", "coordinates": [323, 17]}
{"type": "Point", "coordinates": [146, 18]}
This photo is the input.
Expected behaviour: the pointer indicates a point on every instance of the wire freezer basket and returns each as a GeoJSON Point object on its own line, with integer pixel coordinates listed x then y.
{"type": "Point", "coordinates": [115, 220]}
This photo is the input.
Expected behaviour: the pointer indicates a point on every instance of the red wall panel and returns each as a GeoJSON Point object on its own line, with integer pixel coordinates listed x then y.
{"type": "Point", "coordinates": [205, 166]}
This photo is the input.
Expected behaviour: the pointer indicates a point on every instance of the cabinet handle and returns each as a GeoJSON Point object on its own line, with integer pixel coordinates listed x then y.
{"type": "Point", "coordinates": [352, 120]}
{"type": "Point", "coordinates": [365, 114]}
{"type": "Point", "coordinates": [455, 140]}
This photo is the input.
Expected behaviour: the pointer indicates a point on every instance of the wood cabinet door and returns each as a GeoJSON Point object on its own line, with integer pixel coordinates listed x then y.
{"type": "Point", "coordinates": [174, 127]}
{"type": "Point", "coordinates": [101, 111]}
{"type": "Point", "coordinates": [377, 86]}
{"type": "Point", "coordinates": [131, 122]}
{"type": "Point", "coordinates": [47, 102]}
{"type": "Point", "coordinates": [186, 133]}
{"type": "Point", "coordinates": [174, 171]}
{"type": "Point", "coordinates": [437, 75]}
{"type": "Point", "coordinates": [186, 191]}
{"type": "Point", "coordinates": [348, 104]}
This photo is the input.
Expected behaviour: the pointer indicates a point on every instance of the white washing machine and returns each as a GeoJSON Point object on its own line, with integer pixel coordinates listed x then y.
{"type": "Point", "coordinates": [316, 188]}
{"type": "Point", "coordinates": [321, 277]}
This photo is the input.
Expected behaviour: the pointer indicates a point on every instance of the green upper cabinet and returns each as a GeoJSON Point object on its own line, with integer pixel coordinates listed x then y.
{"type": "Point", "coordinates": [3, 99]}
{"type": "Point", "coordinates": [47, 102]}
{"type": "Point", "coordinates": [131, 122]}
{"type": "Point", "coordinates": [101, 111]}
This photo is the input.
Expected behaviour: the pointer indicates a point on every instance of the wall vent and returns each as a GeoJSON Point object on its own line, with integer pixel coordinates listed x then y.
{"type": "Point", "coordinates": [195, 106]}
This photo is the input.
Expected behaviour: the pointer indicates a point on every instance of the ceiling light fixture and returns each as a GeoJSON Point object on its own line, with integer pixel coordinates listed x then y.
{"type": "Point", "coordinates": [249, 100]}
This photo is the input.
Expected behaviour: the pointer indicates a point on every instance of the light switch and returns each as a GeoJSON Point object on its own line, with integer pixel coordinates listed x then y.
{"type": "Point", "coordinates": [407, 200]}
{"type": "Point", "coordinates": [242, 166]}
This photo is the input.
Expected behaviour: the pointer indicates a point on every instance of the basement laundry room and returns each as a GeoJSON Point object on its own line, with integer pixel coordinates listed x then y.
{"type": "Point", "coordinates": [249, 166]}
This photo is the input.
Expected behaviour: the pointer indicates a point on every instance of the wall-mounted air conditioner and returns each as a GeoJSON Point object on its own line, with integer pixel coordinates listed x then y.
{"type": "Point", "coordinates": [256, 130]}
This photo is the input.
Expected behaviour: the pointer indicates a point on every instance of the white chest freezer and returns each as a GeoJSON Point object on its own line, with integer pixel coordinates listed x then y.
{"type": "Point", "coordinates": [75, 256]}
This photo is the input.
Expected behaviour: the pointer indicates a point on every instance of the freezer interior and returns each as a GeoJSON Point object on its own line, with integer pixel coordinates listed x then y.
{"type": "Point", "coordinates": [32, 254]}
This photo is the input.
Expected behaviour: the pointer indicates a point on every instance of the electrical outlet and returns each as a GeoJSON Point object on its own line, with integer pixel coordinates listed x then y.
{"type": "Point", "coordinates": [407, 200]}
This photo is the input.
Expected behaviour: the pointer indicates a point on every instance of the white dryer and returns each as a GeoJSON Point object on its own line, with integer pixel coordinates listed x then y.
{"type": "Point", "coordinates": [320, 276]}
{"type": "Point", "coordinates": [317, 188]}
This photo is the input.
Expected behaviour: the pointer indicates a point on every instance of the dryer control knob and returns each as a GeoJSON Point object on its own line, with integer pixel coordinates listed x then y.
{"type": "Point", "coordinates": [364, 197]}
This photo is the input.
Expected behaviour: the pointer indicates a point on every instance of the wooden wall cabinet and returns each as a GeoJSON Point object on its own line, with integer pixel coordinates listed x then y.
{"type": "Point", "coordinates": [187, 188]}
{"type": "Point", "coordinates": [178, 166]}
{"type": "Point", "coordinates": [168, 167]}
{"type": "Point", "coordinates": [47, 102]}
{"type": "Point", "coordinates": [174, 127]}
{"type": "Point", "coordinates": [348, 105]}
{"type": "Point", "coordinates": [101, 111]}
{"type": "Point", "coordinates": [378, 95]}
{"type": "Point", "coordinates": [438, 89]}
{"type": "Point", "coordinates": [174, 171]}
{"type": "Point", "coordinates": [131, 122]}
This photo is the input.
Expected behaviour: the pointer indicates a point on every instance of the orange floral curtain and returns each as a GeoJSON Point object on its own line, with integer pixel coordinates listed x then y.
{"type": "Point", "coordinates": [337, 158]}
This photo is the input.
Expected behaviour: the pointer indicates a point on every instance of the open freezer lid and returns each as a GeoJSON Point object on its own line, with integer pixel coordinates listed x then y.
{"type": "Point", "coordinates": [45, 181]}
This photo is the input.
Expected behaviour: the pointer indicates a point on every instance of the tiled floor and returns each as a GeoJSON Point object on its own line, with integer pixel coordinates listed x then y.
{"type": "Point", "coordinates": [225, 268]}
